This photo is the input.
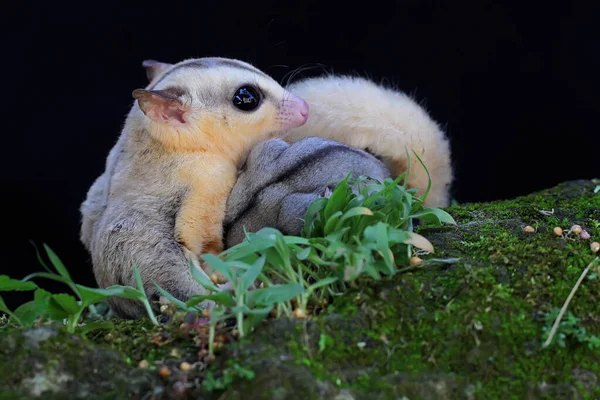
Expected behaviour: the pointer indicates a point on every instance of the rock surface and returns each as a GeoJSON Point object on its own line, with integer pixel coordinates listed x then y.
{"type": "Point", "coordinates": [472, 328]}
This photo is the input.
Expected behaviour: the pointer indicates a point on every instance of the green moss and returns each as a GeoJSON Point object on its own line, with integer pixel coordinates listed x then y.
{"type": "Point", "coordinates": [141, 340]}
{"type": "Point", "coordinates": [472, 329]}
{"type": "Point", "coordinates": [46, 362]}
{"type": "Point", "coordinates": [476, 326]}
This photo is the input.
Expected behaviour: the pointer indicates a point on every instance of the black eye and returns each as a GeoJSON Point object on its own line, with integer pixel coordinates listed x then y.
{"type": "Point", "coordinates": [246, 98]}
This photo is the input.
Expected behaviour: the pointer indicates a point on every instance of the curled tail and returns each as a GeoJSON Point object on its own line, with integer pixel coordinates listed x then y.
{"type": "Point", "coordinates": [357, 112]}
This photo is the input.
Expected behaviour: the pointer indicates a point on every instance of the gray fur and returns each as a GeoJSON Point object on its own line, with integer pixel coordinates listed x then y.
{"type": "Point", "coordinates": [130, 212]}
{"type": "Point", "coordinates": [279, 181]}
{"type": "Point", "coordinates": [120, 229]}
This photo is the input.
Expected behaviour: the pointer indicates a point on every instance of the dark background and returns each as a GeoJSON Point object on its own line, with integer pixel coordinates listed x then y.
{"type": "Point", "coordinates": [514, 84]}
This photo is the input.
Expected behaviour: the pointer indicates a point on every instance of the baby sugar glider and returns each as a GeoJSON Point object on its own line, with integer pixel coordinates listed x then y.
{"type": "Point", "coordinates": [362, 114]}
{"type": "Point", "coordinates": [279, 181]}
{"type": "Point", "coordinates": [162, 197]}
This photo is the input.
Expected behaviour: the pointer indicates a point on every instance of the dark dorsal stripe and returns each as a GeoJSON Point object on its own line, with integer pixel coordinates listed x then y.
{"type": "Point", "coordinates": [210, 63]}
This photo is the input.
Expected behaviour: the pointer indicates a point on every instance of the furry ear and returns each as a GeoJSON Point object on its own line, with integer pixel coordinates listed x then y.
{"type": "Point", "coordinates": [153, 68]}
{"type": "Point", "coordinates": [161, 106]}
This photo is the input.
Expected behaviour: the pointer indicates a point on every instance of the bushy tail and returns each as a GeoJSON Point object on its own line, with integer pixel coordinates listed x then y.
{"type": "Point", "coordinates": [357, 112]}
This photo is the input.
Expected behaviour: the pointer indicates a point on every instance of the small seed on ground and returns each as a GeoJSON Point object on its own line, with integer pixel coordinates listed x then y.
{"type": "Point", "coordinates": [185, 366]}
{"type": "Point", "coordinates": [558, 231]}
{"type": "Point", "coordinates": [206, 313]}
{"type": "Point", "coordinates": [576, 229]}
{"type": "Point", "coordinates": [323, 303]}
{"type": "Point", "coordinates": [220, 339]}
{"type": "Point", "coordinates": [528, 229]}
{"type": "Point", "coordinates": [415, 260]}
{"type": "Point", "coordinates": [144, 364]}
{"type": "Point", "coordinates": [299, 313]}
{"type": "Point", "coordinates": [584, 235]}
{"type": "Point", "coordinates": [164, 371]}
{"type": "Point", "coordinates": [214, 277]}
{"type": "Point", "coordinates": [595, 246]}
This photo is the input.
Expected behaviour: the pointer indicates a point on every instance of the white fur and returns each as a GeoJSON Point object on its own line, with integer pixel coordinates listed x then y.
{"type": "Point", "coordinates": [362, 114]}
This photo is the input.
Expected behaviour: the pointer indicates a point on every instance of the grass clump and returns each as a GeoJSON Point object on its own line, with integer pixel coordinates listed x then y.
{"type": "Point", "coordinates": [64, 307]}
{"type": "Point", "coordinates": [364, 229]}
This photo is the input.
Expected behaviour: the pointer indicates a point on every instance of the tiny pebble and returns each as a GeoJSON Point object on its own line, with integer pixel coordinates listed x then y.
{"type": "Point", "coordinates": [584, 235]}
{"type": "Point", "coordinates": [529, 229]}
{"type": "Point", "coordinates": [144, 364]}
{"type": "Point", "coordinates": [415, 260]}
{"type": "Point", "coordinates": [595, 246]}
{"type": "Point", "coordinates": [558, 231]}
{"type": "Point", "coordinates": [576, 229]}
{"type": "Point", "coordinates": [214, 278]}
{"type": "Point", "coordinates": [164, 371]}
{"type": "Point", "coordinates": [185, 366]}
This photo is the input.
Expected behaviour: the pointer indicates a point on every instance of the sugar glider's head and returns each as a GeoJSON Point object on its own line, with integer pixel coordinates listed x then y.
{"type": "Point", "coordinates": [214, 103]}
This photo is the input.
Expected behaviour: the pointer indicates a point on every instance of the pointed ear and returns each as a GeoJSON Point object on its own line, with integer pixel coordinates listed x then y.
{"type": "Point", "coordinates": [153, 68]}
{"type": "Point", "coordinates": [161, 106]}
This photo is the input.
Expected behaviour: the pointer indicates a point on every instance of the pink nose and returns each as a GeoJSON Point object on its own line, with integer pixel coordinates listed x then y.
{"type": "Point", "coordinates": [298, 109]}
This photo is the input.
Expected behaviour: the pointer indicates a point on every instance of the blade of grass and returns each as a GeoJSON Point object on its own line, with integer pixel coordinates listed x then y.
{"type": "Point", "coordinates": [96, 325]}
{"type": "Point", "coordinates": [252, 273]}
{"type": "Point", "coordinates": [180, 304]}
{"type": "Point", "coordinates": [566, 304]}
{"type": "Point", "coordinates": [140, 285]}
{"type": "Point", "coordinates": [424, 196]}
{"type": "Point", "coordinates": [201, 278]}
{"type": "Point", "coordinates": [7, 284]}
{"type": "Point", "coordinates": [5, 309]}
{"type": "Point", "coordinates": [39, 257]}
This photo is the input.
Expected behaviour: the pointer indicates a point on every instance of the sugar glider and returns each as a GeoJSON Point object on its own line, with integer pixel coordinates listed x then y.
{"type": "Point", "coordinates": [279, 181]}
{"type": "Point", "coordinates": [362, 114]}
{"type": "Point", "coordinates": [162, 197]}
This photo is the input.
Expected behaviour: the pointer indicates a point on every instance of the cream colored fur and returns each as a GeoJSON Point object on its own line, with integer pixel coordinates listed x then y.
{"type": "Point", "coordinates": [162, 197]}
{"type": "Point", "coordinates": [362, 114]}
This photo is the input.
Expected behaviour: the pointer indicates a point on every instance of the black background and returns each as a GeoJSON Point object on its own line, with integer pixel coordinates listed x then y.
{"type": "Point", "coordinates": [514, 84]}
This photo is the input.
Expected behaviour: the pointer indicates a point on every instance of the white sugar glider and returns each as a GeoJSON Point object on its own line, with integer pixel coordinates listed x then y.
{"type": "Point", "coordinates": [162, 198]}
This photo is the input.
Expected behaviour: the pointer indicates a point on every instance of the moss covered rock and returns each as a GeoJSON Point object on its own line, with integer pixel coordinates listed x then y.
{"type": "Point", "coordinates": [47, 363]}
{"type": "Point", "coordinates": [470, 327]}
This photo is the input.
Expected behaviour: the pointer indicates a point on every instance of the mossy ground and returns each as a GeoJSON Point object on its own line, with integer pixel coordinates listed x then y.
{"type": "Point", "coordinates": [471, 329]}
